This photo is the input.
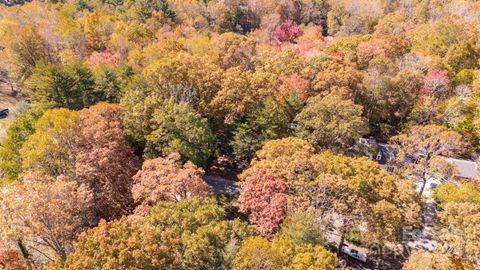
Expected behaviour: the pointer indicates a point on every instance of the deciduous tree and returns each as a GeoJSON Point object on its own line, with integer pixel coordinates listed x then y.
{"type": "Point", "coordinates": [421, 145]}
{"type": "Point", "coordinates": [463, 55]}
{"type": "Point", "coordinates": [104, 58]}
{"type": "Point", "coordinates": [459, 215]}
{"type": "Point", "coordinates": [50, 148]}
{"type": "Point", "coordinates": [264, 199]}
{"type": "Point", "coordinates": [436, 89]}
{"type": "Point", "coordinates": [278, 63]}
{"type": "Point", "coordinates": [25, 47]}
{"type": "Point", "coordinates": [139, 101]}
{"type": "Point", "coordinates": [388, 95]}
{"type": "Point", "coordinates": [104, 161]}
{"type": "Point", "coordinates": [303, 228]}
{"type": "Point", "coordinates": [172, 77]}
{"type": "Point", "coordinates": [389, 46]}
{"type": "Point", "coordinates": [395, 23]}
{"type": "Point", "coordinates": [428, 261]}
{"type": "Point", "coordinates": [436, 83]}
{"type": "Point", "coordinates": [330, 73]}
{"type": "Point", "coordinates": [460, 230]}
{"type": "Point", "coordinates": [330, 121]}
{"type": "Point", "coordinates": [11, 260]}
{"type": "Point", "coordinates": [233, 50]}
{"type": "Point", "coordinates": [45, 212]}
{"type": "Point", "coordinates": [282, 253]}
{"type": "Point", "coordinates": [163, 179]}
{"type": "Point", "coordinates": [287, 158]}
{"type": "Point", "coordinates": [296, 85]}
{"type": "Point", "coordinates": [314, 257]}
{"type": "Point", "coordinates": [17, 133]}
{"type": "Point", "coordinates": [178, 128]}
{"type": "Point", "coordinates": [268, 123]}
{"type": "Point", "coordinates": [288, 31]}
{"type": "Point", "coordinates": [190, 234]}
{"type": "Point", "coordinates": [237, 96]}
{"type": "Point", "coordinates": [357, 191]}
{"type": "Point", "coordinates": [207, 238]}
{"type": "Point", "coordinates": [257, 253]}
{"type": "Point", "coordinates": [125, 244]}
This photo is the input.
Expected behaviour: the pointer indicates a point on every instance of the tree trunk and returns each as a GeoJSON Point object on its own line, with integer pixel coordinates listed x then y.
{"type": "Point", "coordinates": [342, 240]}
{"type": "Point", "coordinates": [423, 186]}
{"type": "Point", "coordinates": [23, 249]}
{"type": "Point", "coordinates": [424, 175]}
{"type": "Point", "coordinates": [25, 254]}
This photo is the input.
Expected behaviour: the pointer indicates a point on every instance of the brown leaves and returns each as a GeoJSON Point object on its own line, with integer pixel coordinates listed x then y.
{"type": "Point", "coordinates": [125, 244]}
{"type": "Point", "coordinates": [45, 212]}
{"type": "Point", "coordinates": [11, 260]}
{"type": "Point", "coordinates": [104, 160]}
{"type": "Point", "coordinates": [423, 146]}
{"type": "Point", "coordinates": [161, 179]}
{"type": "Point", "coordinates": [430, 140]}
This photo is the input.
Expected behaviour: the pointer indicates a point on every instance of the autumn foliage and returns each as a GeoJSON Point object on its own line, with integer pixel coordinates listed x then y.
{"type": "Point", "coordinates": [288, 31]}
{"type": "Point", "coordinates": [106, 58]}
{"type": "Point", "coordinates": [11, 260]}
{"type": "Point", "coordinates": [46, 213]}
{"type": "Point", "coordinates": [163, 179]}
{"type": "Point", "coordinates": [295, 85]}
{"type": "Point", "coordinates": [104, 160]}
{"type": "Point", "coordinates": [264, 199]}
{"type": "Point", "coordinates": [239, 134]}
{"type": "Point", "coordinates": [436, 82]}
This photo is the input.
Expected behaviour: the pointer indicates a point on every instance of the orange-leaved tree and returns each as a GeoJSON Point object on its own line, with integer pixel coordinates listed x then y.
{"type": "Point", "coordinates": [104, 160]}
{"type": "Point", "coordinates": [162, 179]}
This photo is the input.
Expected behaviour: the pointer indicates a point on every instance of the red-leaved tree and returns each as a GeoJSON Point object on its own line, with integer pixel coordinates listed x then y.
{"type": "Point", "coordinates": [11, 260]}
{"type": "Point", "coordinates": [264, 199]}
{"type": "Point", "coordinates": [436, 83]}
{"type": "Point", "coordinates": [288, 31]}
{"type": "Point", "coordinates": [104, 160]}
{"type": "Point", "coordinates": [294, 84]}
{"type": "Point", "coordinates": [161, 179]}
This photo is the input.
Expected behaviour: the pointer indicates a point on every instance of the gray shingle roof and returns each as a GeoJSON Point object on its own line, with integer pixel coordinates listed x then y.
{"type": "Point", "coordinates": [466, 168]}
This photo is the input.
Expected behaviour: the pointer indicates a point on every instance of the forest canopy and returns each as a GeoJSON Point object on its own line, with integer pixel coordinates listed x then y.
{"type": "Point", "coordinates": [125, 110]}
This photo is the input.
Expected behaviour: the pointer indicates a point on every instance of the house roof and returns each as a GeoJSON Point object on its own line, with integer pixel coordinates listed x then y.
{"type": "Point", "coordinates": [387, 152]}
{"type": "Point", "coordinates": [466, 168]}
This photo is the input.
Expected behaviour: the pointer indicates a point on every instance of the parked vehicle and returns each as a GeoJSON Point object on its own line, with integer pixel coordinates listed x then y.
{"type": "Point", "coordinates": [356, 254]}
{"type": "Point", "coordinates": [4, 113]}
